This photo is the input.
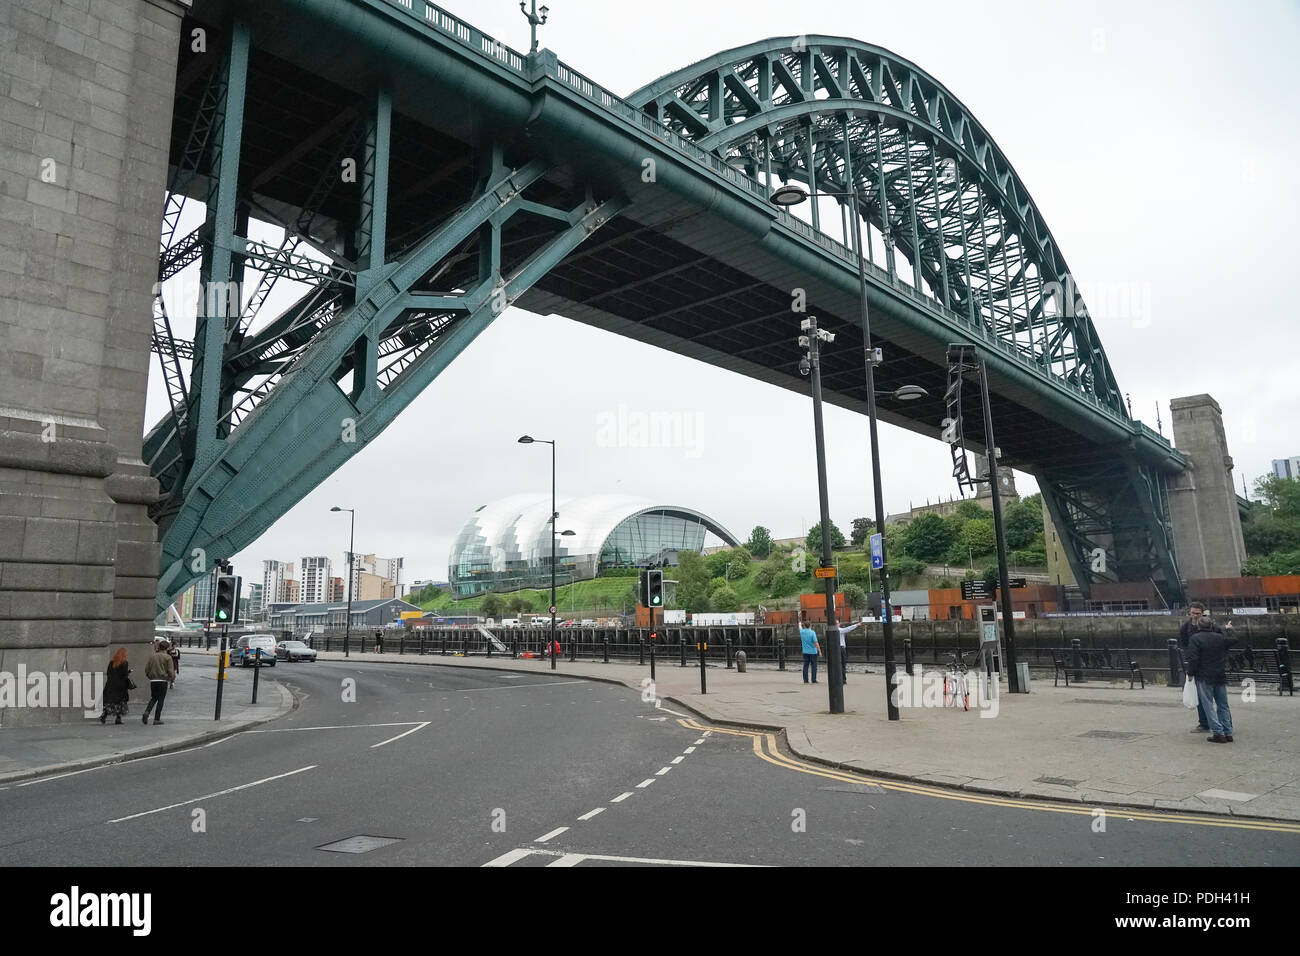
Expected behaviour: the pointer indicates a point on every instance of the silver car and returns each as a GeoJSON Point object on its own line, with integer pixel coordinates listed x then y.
{"type": "Point", "coordinates": [294, 651]}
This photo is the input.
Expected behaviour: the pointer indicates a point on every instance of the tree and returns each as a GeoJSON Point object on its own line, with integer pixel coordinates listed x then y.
{"type": "Point", "coordinates": [732, 563]}
{"type": "Point", "coordinates": [854, 596]}
{"type": "Point", "coordinates": [977, 534]}
{"type": "Point", "coordinates": [693, 581]}
{"type": "Point", "coordinates": [970, 509]}
{"type": "Point", "coordinates": [863, 528]}
{"type": "Point", "coordinates": [814, 542]}
{"type": "Point", "coordinates": [929, 537]}
{"type": "Point", "coordinates": [519, 603]}
{"type": "Point", "coordinates": [760, 542]}
{"type": "Point", "coordinates": [725, 599]}
{"type": "Point", "coordinates": [492, 605]}
{"type": "Point", "coordinates": [1022, 521]}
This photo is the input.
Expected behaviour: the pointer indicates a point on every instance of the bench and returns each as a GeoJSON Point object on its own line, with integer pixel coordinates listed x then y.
{"type": "Point", "coordinates": [1247, 663]}
{"type": "Point", "coordinates": [1095, 660]}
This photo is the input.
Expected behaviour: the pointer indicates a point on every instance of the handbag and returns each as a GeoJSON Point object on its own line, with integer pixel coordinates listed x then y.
{"type": "Point", "coordinates": [1189, 693]}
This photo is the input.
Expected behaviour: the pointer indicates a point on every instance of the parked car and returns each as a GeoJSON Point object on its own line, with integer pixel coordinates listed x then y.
{"type": "Point", "coordinates": [245, 650]}
{"type": "Point", "coordinates": [294, 651]}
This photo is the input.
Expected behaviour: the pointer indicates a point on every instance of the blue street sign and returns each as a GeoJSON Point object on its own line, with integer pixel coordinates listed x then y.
{"type": "Point", "coordinates": [877, 553]}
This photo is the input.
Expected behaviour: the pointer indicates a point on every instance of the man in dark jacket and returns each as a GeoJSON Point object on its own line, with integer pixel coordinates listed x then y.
{"type": "Point", "coordinates": [1207, 661]}
{"type": "Point", "coordinates": [161, 673]}
{"type": "Point", "coordinates": [1196, 614]}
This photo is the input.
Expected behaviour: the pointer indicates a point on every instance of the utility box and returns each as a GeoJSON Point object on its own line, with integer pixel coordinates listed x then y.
{"type": "Point", "coordinates": [740, 662]}
{"type": "Point", "coordinates": [1022, 672]}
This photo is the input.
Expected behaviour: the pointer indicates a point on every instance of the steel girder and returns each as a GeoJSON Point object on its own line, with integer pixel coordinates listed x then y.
{"type": "Point", "coordinates": [278, 404]}
{"type": "Point", "coordinates": [1113, 522]}
{"type": "Point", "coordinates": [933, 182]}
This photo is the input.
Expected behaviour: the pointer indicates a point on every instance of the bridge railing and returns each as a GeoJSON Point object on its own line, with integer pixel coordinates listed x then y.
{"type": "Point", "coordinates": [468, 36]}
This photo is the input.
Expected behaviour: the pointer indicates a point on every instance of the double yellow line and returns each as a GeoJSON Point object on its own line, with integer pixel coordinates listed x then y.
{"type": "Point", "coordinates": [765, 749]}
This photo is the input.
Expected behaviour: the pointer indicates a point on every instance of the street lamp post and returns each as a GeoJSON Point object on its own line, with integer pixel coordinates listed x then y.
{"type": "Point", "coordinates": [347, 625]}
{"type": "Point", "coordinates": [813, 337]}
{"type": "Point", "coordinates": [790, 195]}
{"type": "Point", "coordinates": [534, 21]}
{"type": "Point", "coordinates": [528, 440]}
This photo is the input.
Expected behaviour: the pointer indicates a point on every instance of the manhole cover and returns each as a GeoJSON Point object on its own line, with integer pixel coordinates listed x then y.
{"type": "Point", "coordinates": [359, 844]}
{"type": "Point", "coordinates": [1113, 734]}
{"type": "Point", "coordinates": [1059, 781]}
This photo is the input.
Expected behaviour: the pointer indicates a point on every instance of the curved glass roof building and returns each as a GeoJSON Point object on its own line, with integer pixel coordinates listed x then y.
{"type": "Point", "coordinates": [505, 545]}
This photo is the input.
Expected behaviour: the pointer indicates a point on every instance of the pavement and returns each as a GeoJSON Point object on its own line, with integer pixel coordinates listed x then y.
{"type": "Point", "coordinates": [27, 752]}
{"type": "Point", "coordinates": [1094, 743]}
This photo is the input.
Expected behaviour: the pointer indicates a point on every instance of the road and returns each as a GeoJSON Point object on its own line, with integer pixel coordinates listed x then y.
{"type": "Point", "coordinates": [448, 766]}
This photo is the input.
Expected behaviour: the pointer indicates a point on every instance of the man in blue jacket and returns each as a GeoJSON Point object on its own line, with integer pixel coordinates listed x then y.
{"type": "Point", "coordinates": [811, 649]}
{"type": "Point", "coordinates": [1207, 661]}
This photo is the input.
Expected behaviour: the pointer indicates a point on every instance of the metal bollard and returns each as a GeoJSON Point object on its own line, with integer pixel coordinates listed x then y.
{"type": "Point", "coordinates": [1175, 665]}
{"type": "Point", "coordinates": [573, 651]}
{"type": "Point", "coordinates": [257, 670]}
{"type": "Point", "coordinates": [740, 662]}
{"type": "Point", "coordinates": [681, 643]}
{"type": "Point", "coordinates": [907, 655]}
{"type": "Point", "coordinates": [606, 644]}
{"type": "Point", "coordinates": [444, 643]}
{"type": "Point", "coordinates": [780, 653]}
{"type": "Point", "coordinates": [1287, 681]}
{"type": "Point", "coordinates": [489, 647]}
{"type": "Point", "coordinates": [1076, 644]}
{"type": "Point", "coordinates": [640, 643]}
{"type": "Point", "coordinates": [514, 647]}
{"type": "Point", "coordinates": [729, 656]}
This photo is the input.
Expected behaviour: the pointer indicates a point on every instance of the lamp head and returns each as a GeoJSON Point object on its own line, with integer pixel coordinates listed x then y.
{"type": "Point", "coordinates": [526, 440]}
{"type": "Point", "coordinates": [788, 195]}
{"type": "Point", "coordinates": [910, 393]}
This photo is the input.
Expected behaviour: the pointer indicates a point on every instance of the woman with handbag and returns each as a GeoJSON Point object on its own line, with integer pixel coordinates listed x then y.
{"type": "Point", "coordinates": [117, 687]}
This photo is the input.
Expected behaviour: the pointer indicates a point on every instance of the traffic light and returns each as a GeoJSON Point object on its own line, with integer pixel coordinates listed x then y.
{"type": "Point", "coordinates": [227, 599]}
{"type": "Point", "coordinates": [654, 588]}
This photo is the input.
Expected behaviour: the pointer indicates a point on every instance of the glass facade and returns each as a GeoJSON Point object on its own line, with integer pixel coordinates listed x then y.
{"type": "Point", "coordinates": [506, 545]}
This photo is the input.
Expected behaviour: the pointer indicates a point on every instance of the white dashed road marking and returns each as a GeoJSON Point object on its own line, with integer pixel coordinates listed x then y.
{"type": "Point", "coordinates": [591, 813]}
{"type": "Point", "coordinates": [661, 772]}
{"type": "Point", "coordinates": [621, 797]}
{"type": "Point", "coordinates": [219, 793]}
{"type": "Point", "coordinates": [674, 760]}
{"type": "Point", "coordinates": [645, 783]}
{"type": "Point", "coordinates": [554, 833]}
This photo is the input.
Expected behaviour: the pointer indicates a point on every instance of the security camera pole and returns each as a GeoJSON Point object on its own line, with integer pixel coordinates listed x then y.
{"type": "Point", "coordinates": [812, 339]}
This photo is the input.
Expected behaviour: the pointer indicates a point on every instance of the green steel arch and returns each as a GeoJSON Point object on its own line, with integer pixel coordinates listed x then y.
{"type": "Point", "coordinates": [933, 183]}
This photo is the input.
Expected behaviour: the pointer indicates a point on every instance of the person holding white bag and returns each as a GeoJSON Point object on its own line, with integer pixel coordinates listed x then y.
{"type": "Point", "coordinates": [1207, 662]}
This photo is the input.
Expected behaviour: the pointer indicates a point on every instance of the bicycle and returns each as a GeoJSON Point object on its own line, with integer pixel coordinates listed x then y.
{"type": "Point", "coordinates": [955, 687]}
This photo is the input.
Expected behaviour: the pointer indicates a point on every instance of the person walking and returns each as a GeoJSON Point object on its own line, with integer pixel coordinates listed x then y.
{"type": "Point", "coordinates": [1207, 659]}
{"type": "Point", "coordinates": [379, 641]}
{"type": "Point", "coordinates": [174, 652]}
{"type": "Point", "coordinates": [161, 673]}
{"type": "Point", "coordinates": [117, 687]}
{"type": "Point", "coordinates": [811, 650]}
{"type": "Point", "coordinates": [1195, 614]}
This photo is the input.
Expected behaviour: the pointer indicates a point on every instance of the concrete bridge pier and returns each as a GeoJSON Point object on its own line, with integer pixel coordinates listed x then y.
{"type": "Point", "coordinates": [1203, 499]}
{"type": "Point", "coordinates": [86, 94]}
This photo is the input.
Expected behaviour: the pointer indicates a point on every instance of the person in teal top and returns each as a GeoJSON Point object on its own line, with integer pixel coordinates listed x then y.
{"type": "Point", "coordinates": [811, 650]}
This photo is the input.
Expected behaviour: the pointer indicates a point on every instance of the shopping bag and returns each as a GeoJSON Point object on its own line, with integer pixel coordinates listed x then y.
{"type": "Point", "coordinates": [1189, 693]}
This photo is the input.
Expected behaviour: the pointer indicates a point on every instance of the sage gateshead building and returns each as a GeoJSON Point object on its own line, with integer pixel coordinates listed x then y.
{"type": "Point", "coordinates": [506, 545]}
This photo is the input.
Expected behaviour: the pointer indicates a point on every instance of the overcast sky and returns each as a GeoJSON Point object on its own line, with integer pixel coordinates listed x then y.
{"type": "Point", "coordinates": [1157, 139]}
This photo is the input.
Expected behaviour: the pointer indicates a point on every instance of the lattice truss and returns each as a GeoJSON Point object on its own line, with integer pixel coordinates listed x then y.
{"type": "Point", "coordinates": [945, 211]}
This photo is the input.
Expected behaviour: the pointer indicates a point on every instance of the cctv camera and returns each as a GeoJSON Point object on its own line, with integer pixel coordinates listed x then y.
{"type": "Point", "coordinates": [804, 366]}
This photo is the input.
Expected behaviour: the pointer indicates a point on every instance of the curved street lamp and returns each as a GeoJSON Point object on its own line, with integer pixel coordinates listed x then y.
{"type": "Point", "coordinates": [347, 624]}
{"type": "Point", "coordinates": [529, 440]}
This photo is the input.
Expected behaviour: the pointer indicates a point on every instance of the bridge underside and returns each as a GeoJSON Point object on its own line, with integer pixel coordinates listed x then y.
{"type": "Point", "coordinates": [485, 180]}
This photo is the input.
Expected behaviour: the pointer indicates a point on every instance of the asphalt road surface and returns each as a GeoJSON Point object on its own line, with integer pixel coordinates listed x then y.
{"type": "Point", "coordinates": [420, 765]}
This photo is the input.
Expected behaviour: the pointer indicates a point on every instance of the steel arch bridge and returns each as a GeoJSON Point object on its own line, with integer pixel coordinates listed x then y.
{"type": "Point", "coordinates": [485, 178]}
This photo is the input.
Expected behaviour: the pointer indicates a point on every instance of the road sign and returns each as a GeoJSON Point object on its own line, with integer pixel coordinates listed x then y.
{"type": "Point", "coordinates": [877, 552]}
{"type": "Point", "coordinates": [1017, 582]}
{"type": "Point", "coordinates": [552, 608]}
{"type": "Point", "coordinates": [978, 590]}
{"type": "Point", "coordinates": [823, 572]}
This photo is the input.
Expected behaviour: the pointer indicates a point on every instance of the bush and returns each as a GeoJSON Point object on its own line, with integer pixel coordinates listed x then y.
{"type": "Point", "coordinates": [725, 599]}
{"type": "Point", "coordinates": [785, 583]}
{"type": "Point", "coordinates": [906, 567]}
{"type": "Point", "coordinates": [619, 573]}
{"type": "Point", "coordinates": [855, 596]}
